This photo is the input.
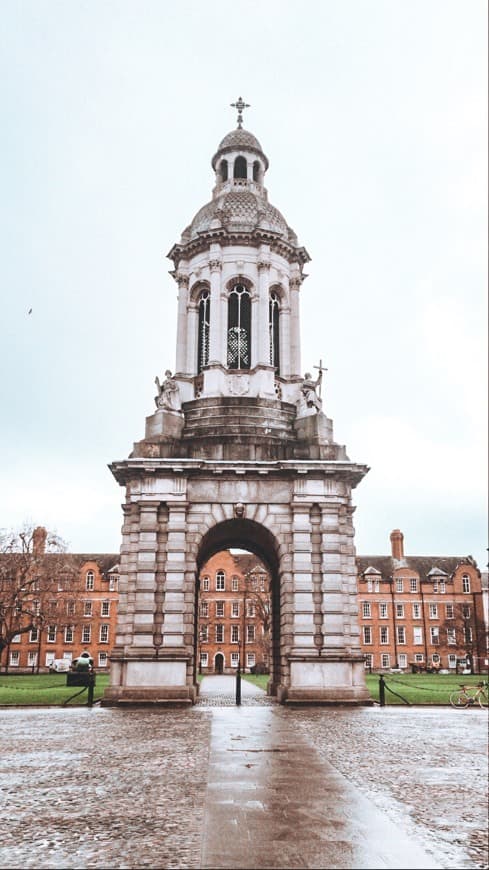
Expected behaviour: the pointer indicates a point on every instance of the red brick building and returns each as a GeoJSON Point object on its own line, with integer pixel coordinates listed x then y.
{"type": "Point", "coordinates": [234, 614]}
{"type": "Point", "coordinates": [421, 612]}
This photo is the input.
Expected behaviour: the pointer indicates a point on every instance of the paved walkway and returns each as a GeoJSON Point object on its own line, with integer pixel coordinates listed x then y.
{"type": "Point", "coordinates": [243, 787]}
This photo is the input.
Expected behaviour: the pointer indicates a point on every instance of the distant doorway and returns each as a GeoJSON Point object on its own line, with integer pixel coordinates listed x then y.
{"type": "Point", "coordinates": [219, 664]}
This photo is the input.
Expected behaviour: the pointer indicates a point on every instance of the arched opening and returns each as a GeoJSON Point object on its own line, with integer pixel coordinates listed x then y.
{"type": "Point", "coordinates": [223, 170]}
{"type": "Point", "coordinates": [240, 168]}
{"type": "Point", "coordinates": [238, 603]}
{"type": "Point", "coordinates": [239, 328]}
{"type": "Point", "coordinates": [204, 330]}
{"type": "Point", "coordinates": [274, 332]}
{"type": "Point", "coordinates": [256, 171]}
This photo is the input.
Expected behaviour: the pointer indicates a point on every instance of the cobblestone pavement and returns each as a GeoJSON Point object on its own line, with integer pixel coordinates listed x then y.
{"type": "Point", "coordinates": [114, 788]}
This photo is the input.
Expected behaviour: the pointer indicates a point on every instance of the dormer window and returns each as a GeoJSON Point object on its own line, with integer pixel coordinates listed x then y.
{"type": "Point", "coordinates": [240, 168]}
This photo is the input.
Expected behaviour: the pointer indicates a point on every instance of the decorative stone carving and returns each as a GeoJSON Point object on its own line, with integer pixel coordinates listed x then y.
{"type": "Point", "coordinates": [309, 397]}
{"type": "Point", "coordinates": [168, 393]}
{"type": "Point", "coordinates": [239, 510]}
{"type": "Point", "coordinates": [215, 265]}
{"type": "Point", "coordinates": [238, 385]}
{"type": "Point", "coordinates": [181, 279]}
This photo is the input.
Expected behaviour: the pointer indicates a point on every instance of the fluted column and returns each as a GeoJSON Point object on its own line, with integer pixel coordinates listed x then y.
{"type": "Point", "coordinates": [182, 335]}
{"type": "Point", "coordinates": [215, 338]}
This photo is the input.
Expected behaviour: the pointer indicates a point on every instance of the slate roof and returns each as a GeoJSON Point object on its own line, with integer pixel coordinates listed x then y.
{"type": "Point", "coordinates": [423, 565]}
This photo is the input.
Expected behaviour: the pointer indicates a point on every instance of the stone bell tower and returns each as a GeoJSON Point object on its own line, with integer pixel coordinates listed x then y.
{"type": "Point", "coordinates": [238, 453]}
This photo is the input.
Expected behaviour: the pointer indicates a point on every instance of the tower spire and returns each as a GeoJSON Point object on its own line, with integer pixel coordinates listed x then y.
{"type": "Point", "coordinates": [240, 105]}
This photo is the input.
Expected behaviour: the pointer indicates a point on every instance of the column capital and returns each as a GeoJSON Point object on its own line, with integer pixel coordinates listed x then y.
{"type": "Point", "coordinates": [263, 265]}
{"type": "Point", "coordinates": [215, 264]}
{"type": "Point", "coordinates": [181, 279]}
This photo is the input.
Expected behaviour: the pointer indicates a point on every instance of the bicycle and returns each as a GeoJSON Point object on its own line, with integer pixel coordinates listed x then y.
{"type": "Point", "coordinates": [467, 696]}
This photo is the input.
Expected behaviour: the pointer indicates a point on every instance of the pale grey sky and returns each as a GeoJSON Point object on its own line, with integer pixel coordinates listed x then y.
{"type": "Point", "coordinates": [373, 114]}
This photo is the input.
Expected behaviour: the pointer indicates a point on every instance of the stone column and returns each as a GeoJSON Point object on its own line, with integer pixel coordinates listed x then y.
{"type": "Point", "coordinates": [174, 627]}
{"type": "Point", "coordinates": [332, 581]}
{"type": "Point", "coordinates": [284, 330]}
{"type": "Point", "coordinates": [295, 341]}
{"type": "Point", "coordinates": [144, 602]}
{"type": "Point", "coordinates": [262, 339]}
{"type": "Point", "coordinates": [192, 331]}
{"type": "Point", "coordinates": [182, 335]}
{"type": "Point", "coordinates": [302, 571]}
{"type": "Point", "coordinates": [215, 337]}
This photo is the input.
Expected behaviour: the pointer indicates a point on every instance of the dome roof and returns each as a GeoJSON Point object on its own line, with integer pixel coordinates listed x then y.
{"type": "Point", "coordinates": [240, 210]}
{"type": "Point", "coordinates": [239, 140]}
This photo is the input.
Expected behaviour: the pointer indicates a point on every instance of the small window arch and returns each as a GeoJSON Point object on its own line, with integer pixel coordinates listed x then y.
{"type": "Point", "coordinates": [465, 583]}
{"type": "Point", "coordinates": [240, 168]}
{"type": "Point", "coordinates": [256, 171]}
{"type": "Point", "coordinates": [273, 328]}
{"type": "Point", "coordinates": [223, 170]}
{"type": "Point", "coordinates": [220, 581]}
{"type": "Point", "coordinates": [89, 583]}
{"type": "Point", "coordinates": [239, 328]}
{"type": "Point", "coordinates": [204, 306]}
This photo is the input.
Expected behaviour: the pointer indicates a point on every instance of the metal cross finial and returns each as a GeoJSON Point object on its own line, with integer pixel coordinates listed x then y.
{"type": "Point", "coordinates": [240, 105]}
{"type": "Point", "coordinates": [321, 370]}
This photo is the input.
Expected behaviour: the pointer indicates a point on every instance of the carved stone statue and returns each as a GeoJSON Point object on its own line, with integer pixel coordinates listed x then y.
{"type": "Point", "coordinates": [168, 393]}
{"type": "Point", "coordinates": [308, 390]}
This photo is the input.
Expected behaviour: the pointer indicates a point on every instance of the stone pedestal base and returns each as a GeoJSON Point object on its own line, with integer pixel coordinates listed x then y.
{"type": "Point", "coordinates": [335, 680]}
{"type": "Point", "coordinates": [155, 682]}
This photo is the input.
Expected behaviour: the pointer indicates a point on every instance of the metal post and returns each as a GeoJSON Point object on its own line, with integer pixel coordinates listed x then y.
{"type": "Point", "coordinates": [382, 691]}
{"type": "Point", "coordinates": [91, 684]}
{"type": "Point", "coordinates": [238, 683]}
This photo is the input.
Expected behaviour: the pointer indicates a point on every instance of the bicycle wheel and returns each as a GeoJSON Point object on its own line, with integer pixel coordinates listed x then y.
{"type": "Point", "coordinates": [459, 700]}
{"type": "Point", "coordinates": [483, 700]}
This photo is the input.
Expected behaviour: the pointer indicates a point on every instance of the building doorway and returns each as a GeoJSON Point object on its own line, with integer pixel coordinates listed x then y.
{"type": "Point", "coordinates": [219, 664]}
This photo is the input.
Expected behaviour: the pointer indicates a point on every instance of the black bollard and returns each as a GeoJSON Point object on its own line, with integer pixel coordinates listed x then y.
{"type": "Point", "coordinates": [238, 687]}
{"type": "Point", "coordinates": [381, 691]}
{"type": "Point", "coordinates": [91, 684]}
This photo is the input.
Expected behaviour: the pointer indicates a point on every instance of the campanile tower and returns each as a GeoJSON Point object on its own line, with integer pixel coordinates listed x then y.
{"type": "Point", "coordinates": [238, 453]}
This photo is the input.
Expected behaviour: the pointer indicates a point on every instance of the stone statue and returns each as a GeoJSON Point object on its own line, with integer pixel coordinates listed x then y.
{"type": "Point", "coordinates": [168, 393]}
{"type": "Point", "coordinates": [308, 390]}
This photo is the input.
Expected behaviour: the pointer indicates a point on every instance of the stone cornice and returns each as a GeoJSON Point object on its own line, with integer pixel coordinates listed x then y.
{"type": "Point", "coordinates": [254, 238]}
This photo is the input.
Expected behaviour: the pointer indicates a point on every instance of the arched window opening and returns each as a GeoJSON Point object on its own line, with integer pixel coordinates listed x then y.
{"type": "Point", "coordinates": [239, 328]}
{"type": "Point", "coordinates": [223, 170]}
{"type": "Point", "coordinates": [256, 171]}
{"type": "Point", "coordinates": [240, 168]}
{"type": "Point", "coordinates": [273, 326]}
{"type": "Point", "coordinates": [204, 330]}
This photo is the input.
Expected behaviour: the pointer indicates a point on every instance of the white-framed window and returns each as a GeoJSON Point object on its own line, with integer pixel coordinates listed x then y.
{"type": "Point", "coordinates": [50, 657]}
{"type": "Point", "coordinates": [451, 637]}
{"type": "Point", "coordinates": [87, 608]}
{"type": "Point", "coordinates": [104, 633]}
{"type": "Point", "coordinates": [105, 608]}
{"type": "Point", "coordinates": [204, 660]}
{"type": "Point", "coordinates": [234, 659]}
{"type": "Point", "coordinates": [418, 657]}
{"type": "Point", "coordinates": [370, 586]}
{"type": "Point", "coordinates": [367, 634]}
{"type": "Point", "coordinates": [366, 609]}
{"type": "Point", "coordinates": [466, 611]}
{"type": "Point", "coordinates": [204, 609]}
{"type": "Point", "coordinates": [70, 608]}
{"type": "Point", "coordinates": [433, 611]}
{"type": "Point", "coordinates": [205, 584]}
{"type": "Point", "coordinates": [235, 634]}
{"type": "Point", "coordinates": [250, 633]}
{"type": "Point", "coordinates": [14, 658]}
{"type": "Point", "coordinates": [383, 611]}
{"type": "Point", "coordinates": [449, 611]}
{"type": "Point", "coordinates": [220, 609]}
{"type": "Point", "coordinates": [204, 633]}
{"type": "Point", "coordinates": [385, 660]}
{"type": "Point", "coordinates": [402, 659]}
{"type": "Point", "coordinates": [235, 584]}
{"type": "Point", "coordinates": [89, 581]}
{"type": "Point", "coordinates": [220, 581]}
{"type": "Point", "coordinates": [235, 608]}
{"type": "Point", "coordinates": [69, 634]}
{"type": "Point", "coordinates": [413, 584]}
{"type": "Point", "coordinates": [16, 638]}
{"type": "Point", "coordinates": [435, 586]}
{"type": "Point", "coordinates": [443, 587]}
{"type": "Point", "coordinates": [68, 656]}
{"type": "Point", "coordinates": [417, 634]}
{"type": "Point", "coordinates": [399, 584]}
{"type": "Point", "coordinates": [434, 635]}
{"type": "Point", "coordinates": [452, 661]}
{"type": "Point", "coordinates": [416, 608]}
{"type": "Point", "coordinates": [467, 634]}
{"type": "Point", "coordinates": [32, 659]}
{"type": "Point", "coordinates": [465, 583]}
{"type": "Point", "coordinates": [376, 585]}
{"type": "Point", "coordinates": [103, 660]}
{"type": "Point", "coordinates": [250, 609]}
{"type": "Point", "coordinates": [401, 634]}
{"type": "Point", "coordinates": [219, 633]}
{"type": "Point", "coordinates": [86, 633]}
{"type": "Point", "coordinates": [368, 661]}
{"type": "Point", "coordinates": [34, 635]}
{"type": "Point", "coordinates": [400, 611]}
{"type": "Point", "coordinates": [112, 588]}
{"type": "Point", "coordinates": [250, 660]}
{"type": "Point", "coordinates": [51, 634]}
{"type": "Point", "coordinates": [384, 634]}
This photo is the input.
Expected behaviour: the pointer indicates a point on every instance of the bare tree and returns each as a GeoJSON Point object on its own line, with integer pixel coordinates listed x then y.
{"type": "Point", "coordinates": [39, 584]}
{"type": "Point", "coordinates": [257, 593]}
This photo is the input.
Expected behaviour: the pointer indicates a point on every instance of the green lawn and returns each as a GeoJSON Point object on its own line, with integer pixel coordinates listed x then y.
{"type": "Point", "coordinates": [51, 689]}
{"type": "Point", "coordinates": [45, 689]}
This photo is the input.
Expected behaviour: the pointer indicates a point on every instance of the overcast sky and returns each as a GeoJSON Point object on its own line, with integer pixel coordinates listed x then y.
{"type": "Point", "coordinates": [373, 114]}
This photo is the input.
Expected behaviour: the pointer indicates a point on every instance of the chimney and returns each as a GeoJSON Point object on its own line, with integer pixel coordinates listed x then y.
{"type": "Point", "coordinates": [39, 536]}
{"type": "Point", "coordinates": [397, 545]}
